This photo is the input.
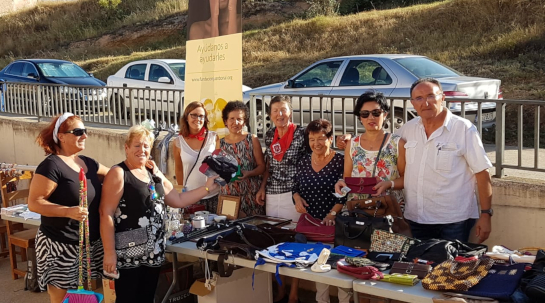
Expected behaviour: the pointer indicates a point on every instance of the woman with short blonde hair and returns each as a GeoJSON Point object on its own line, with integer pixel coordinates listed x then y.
{"type": "Point", "coordinates": [134, 199]}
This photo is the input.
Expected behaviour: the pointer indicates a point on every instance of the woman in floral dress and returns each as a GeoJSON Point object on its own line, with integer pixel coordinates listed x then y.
{"type": "Point", "coordinates": [247, 150]}
{"type": "Point", "coordinates": [362, 151]}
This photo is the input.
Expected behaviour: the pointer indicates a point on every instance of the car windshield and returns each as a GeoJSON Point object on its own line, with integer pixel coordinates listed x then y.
{"type": "Point", "coordinates": [178, 69]}
{"type": "Point", "coordinates": [425, 67]}
{"type": "Point", "coordinates": [62, 70]}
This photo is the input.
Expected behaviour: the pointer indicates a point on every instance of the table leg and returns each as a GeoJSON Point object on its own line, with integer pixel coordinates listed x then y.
{"type": "Point", "coordinates": [174, 277]}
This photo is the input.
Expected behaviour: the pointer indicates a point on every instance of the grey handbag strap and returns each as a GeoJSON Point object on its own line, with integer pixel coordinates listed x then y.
{"type": "Point", "coordinates": [379, 152]}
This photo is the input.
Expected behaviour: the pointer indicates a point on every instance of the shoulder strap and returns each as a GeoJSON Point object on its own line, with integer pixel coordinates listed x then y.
{"type": "Point", "coordinates": [379, 152]}
{"type": "Point", "coordinates": [198, 155]}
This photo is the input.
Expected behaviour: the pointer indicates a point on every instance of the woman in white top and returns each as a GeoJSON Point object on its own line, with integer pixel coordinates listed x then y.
{"type": "Point", "coordinates": [193, 144]}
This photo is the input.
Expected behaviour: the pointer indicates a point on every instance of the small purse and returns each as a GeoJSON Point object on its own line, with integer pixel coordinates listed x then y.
{"type": "Point", "coordinates": [314, 230]}
{"type": "Point", "coordinates": [363, 273]}
{"type": "Point", "coordinates": [384, 241]}
{"type": "Point", "coordinates": [403, 279]}
{"type": "Point", "coordinates": [455, 275]}
{"type": "Point", "coordinates": [364, 185]}
{"type": "Point", "coordinates": [362, 262]}
{"type": "Point", "coordinates": [359, 185]}
{"type": "Point", "coordinates": [131, 243]}
{"type": "Point", "coordinates": [421, 270]}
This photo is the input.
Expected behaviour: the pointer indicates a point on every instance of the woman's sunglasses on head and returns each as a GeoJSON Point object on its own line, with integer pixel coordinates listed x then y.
{"type": "Point", "coordinates": [77, 131]}
{"type": "Point", "coordinates": [375, 112]}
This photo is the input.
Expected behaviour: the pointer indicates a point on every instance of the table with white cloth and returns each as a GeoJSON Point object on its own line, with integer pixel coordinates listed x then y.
{"type": "Point", "coordinates": [390, 291]}
{"type": "Point", "coordinates": [21, 220]}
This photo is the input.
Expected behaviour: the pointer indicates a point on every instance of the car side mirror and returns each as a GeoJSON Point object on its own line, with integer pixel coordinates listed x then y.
{"type": "Point", "coordinates": [33, 76]}
{"type": "Point", "coordinates": [91, 75]}
{"type": "Point", "coordinates": [164, 80]}
{"type": "Point", "coordinates": [290, 84]}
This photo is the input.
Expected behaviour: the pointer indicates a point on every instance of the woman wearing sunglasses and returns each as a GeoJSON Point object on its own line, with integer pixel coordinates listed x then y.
{"type": "Point", "coordinates": [193, 144]}
{"type": "Point", "coordinates": [132, 213]}
{"type": "Point", "coordinates": [54, 193]}
{"type": "Point", "coordinates": [361, 152]}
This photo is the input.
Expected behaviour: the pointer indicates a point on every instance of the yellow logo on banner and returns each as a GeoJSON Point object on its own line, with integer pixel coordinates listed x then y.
{"type": "Point", "coordinates": [214, 73]}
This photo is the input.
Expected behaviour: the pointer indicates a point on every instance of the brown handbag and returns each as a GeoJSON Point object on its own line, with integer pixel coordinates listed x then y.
{"type": "Point", "coordinates": [421, 270]}
{"type": "Point", "coordinates": [381, 207]}
{"type": "Point", "coordinates": [457, 275]}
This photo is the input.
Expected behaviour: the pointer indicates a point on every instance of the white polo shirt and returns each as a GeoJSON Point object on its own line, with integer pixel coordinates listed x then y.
{"type": "Point", "coordinates": [440, 171]}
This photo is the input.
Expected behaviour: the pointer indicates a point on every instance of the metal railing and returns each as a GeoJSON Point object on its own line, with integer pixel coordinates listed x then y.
{"type": "Point", "coordinates": [337, 109]}
{"type": "Point", "coordinates": [98, 104]}
{"type": "Point", "coordinates": [130, 106]}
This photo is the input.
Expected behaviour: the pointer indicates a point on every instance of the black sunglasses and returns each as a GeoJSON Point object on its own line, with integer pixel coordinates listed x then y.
{"type": "Point", "coordinates": [375, 112]}
{"type": "Point", "coordinates": [77, 131]}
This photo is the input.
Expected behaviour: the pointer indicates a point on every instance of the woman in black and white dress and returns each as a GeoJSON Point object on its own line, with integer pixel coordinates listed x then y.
{"type": "Point", "coordinates": [54, 193]}
{"type": "Point", "coordinates": [133, 203]}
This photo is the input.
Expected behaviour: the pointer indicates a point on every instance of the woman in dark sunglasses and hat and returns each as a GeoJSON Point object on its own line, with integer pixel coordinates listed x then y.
{"type": "Point", "coordinates": [54, 193]}
{"type": "Point", "coordinates": [362, 158]}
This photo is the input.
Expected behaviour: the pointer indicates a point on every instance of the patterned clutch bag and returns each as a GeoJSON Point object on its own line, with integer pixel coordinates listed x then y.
{"type": "Point", "coordinates": [384, 241]}
{"type": "Point", "coordinates": [455, 275]}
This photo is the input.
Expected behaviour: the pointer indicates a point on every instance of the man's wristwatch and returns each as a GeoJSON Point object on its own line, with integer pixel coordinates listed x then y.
{"type": "Point", "coordinates": [333, 213]}
{"type": "Point", "coordinates": [487, 211]}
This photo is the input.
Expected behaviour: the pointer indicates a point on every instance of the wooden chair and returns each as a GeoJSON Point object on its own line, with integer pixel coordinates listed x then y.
{"type": "Point", "coordinates": [4, 252]}
{"type": "Point", "coordinates": [17, 236]}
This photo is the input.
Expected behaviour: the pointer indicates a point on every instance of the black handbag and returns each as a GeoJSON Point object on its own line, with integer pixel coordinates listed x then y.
{"type": "Point", "coordinates": [355, 232]}
{"type": "Point", "coordinates": [439, 250]}
{"type": "Point", "coordinates": [131, 243]}
{"type": "Point", "coordinates": [533, 280]}
{"type": "Point", "coordinates": [243, 240]}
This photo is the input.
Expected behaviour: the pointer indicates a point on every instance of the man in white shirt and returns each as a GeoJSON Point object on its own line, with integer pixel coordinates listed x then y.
{"type": "Point", "coordinates": [445, 160]}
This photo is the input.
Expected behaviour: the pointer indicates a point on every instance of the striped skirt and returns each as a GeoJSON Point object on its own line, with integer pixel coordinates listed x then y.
{"type": "Point", "coordinates": [58, 262]}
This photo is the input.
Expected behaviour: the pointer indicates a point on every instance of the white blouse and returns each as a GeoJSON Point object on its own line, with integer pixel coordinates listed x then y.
{"type": "Point", "coordinates": [189, 156]}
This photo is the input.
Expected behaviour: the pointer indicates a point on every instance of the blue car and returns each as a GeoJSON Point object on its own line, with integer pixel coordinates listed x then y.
{"type": "Point", "coordinates": [51, 71]}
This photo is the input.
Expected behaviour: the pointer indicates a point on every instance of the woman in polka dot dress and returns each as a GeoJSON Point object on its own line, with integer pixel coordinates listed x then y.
{"type": "Point", "coordinates": [315, 184]}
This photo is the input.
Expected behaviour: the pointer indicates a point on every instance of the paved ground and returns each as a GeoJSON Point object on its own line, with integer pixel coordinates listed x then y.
{"type": "Point", "coordinates": [12, 291]}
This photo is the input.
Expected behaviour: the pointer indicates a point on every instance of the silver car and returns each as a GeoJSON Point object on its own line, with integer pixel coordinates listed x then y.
{"type": "Point", "coordinates": [329, 79]}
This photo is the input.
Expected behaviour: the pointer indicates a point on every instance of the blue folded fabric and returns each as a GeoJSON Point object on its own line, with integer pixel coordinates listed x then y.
{"type": "Point", "coordinates": [347, 251]}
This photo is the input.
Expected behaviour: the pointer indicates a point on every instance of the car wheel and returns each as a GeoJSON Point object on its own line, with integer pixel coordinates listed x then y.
{"type": "Point", "coordinates": [398, 121]}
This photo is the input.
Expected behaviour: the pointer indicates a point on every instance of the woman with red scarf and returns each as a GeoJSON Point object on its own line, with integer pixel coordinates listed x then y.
{"type": "Point", "coordinates": [193, 144]}
{"type": "Point", "coordinates": [285, 148]}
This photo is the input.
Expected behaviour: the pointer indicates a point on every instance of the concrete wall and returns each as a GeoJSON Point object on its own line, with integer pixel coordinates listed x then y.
{"type": "Point", "coordinates": [17, 143]}
{"type": "Point", "coordinates": [519, 204]}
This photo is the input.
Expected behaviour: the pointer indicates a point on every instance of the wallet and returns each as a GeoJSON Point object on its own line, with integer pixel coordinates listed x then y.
{"type": "Point", "coordinates": [403, 279]}
{"type": "Point", "coordinates": [420, 270]}
{"type": "Point", "coordinates": [362, 262]}
{"type": "Point", "coordinates": [359, 185]}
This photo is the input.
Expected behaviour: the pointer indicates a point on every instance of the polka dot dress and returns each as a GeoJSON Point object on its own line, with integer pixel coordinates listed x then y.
{"type": "Point", "coordinates": [317, 188]}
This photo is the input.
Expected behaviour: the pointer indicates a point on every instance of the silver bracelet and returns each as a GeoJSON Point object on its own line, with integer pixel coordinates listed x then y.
{"type": "Point", "coordinates": [392, 187]}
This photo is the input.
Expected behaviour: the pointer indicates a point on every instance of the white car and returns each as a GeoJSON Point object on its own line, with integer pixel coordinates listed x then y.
{"type": "Point", "coordinates": [158, 84]}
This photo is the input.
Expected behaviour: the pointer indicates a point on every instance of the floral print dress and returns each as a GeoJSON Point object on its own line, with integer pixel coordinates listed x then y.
{"type": "Point", "coordinates": [363, 162]}
{"type": "Point", "coordinates": [137, 209]}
